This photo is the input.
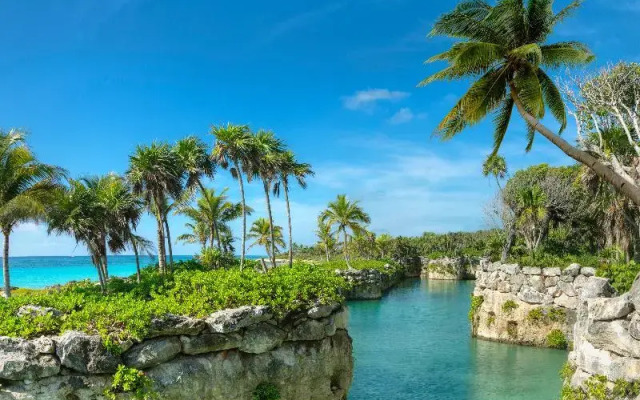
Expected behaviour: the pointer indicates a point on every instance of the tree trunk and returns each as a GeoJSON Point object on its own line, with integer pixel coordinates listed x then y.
{"type": "Point", "coordinates": [97, 262]}
{"type": "Point", "coordinates": [105, 264]}
{"type": "Point", "coordinates": [162, 257]}
{"type": "Point", "coordinates": [5, 265]}
{"type": "Point", "coordinates": [170, 247]}
{"type": "Point", "coordinates": [244, 216]}
{"type": "Point", "coordinates": [511, 237]}
{"type": "Point", "coordinates": [326, 251]}
{"type": "Point", "coordinates": [217, 233]}
{"type": "Point", "coordinates": [273, 244]}
{"type": "Point", "coordinates": [600, 169]}
{"type": "Point", "coordinates": [135, 251]}
{"type": "Point", "coordinates": [285, 187]}
{"type": "Point", "coordinates": [346, 253]}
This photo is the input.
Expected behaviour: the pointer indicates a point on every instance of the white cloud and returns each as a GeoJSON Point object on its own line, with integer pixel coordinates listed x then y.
{"type": "Point", "coordinates": [405, 115]}
{"type": "Point", "coordinates": [367, 99]}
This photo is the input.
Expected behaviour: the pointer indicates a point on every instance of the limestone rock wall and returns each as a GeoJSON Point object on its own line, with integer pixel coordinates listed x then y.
{"type": "Point", "coordinates": [307, 356]}
{"type": "Point", "coordinates": [370, 284]}
{"type": "Point", "coordinates": [524, 305]}
{"type": "Point", "coordinates": [606, 351]}
{"type": "Point", "coordinates": [456, 268]}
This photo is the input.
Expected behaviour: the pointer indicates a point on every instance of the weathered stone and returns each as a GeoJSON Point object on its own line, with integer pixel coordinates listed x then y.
{"type": "Point", "coordinates": [567, 302]}
{"type": "Point", "coordinates": [596, 287]}
{"type": "Point", "coordinates": [572, 270]}
{"type": "Point", "coordinates": [511, 269]}
{"type": "Point", "coordinates": [634, 293]}
{"type": "Point", "coordinates": [551, 281]}
{"type": "Point", "coordinates": [310, 329]}
{"type": "Point", "coordinates": [536, 282]}
{"type": "Point", "coordinates": [579, 281]}
{"type": "Point", "coordinates": [554, 271]}
{"type": "Point", "coordinates": [322, 311]}
{"type": "Point", "coordinates": [152, 352]}
{"type": "Point", "coordinates": [37, 311]}
{"type": "Point", "coordinates": [531, 271]}
{"type": "Point", "coordinates": [567, 288]}
{"type": "Point", "coordinates": [603, 309]}
{"type": "Point", "coordinates": [588, 271]}
{"type": "Point", "coordinates": [85, 353]}
{"type": "Point", "coordinates": [530, 296]}
{"type": "Point", "coordinates": [516, 282]}
{"type": "Point", "coordinates": [234, 319]}
{"type": "Point", "coordinates": [613, 336]}
{"type": "Point", "coordinates": [261, 338]}
{"type": "Point", "coordinates": [21, 360]}
{"type": "Point", "coordinates": [210, 342]}
{"type": "Point", "coordinates": [341, 318]}
{"type": "Point", "coordinates": [553, 291]}
{"type": "Point", "coordinates": [175, 325]}
{"type": "Point", "coordinates": [503, 287]}
{"type": "Point", "coordinates": [634, 326]}
{"type": "Point", "coordinates": [44, 345]}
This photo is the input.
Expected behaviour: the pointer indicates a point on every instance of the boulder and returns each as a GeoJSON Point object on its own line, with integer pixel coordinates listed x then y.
{"type": "Point", "coordinates": [634, 326]}
{"type": "Point", "coordinates": [551, 281]}
{"type": "Point", "coordinates": [511, 269]}
{"type": "Point", "coordinates": [588, 271]}
{"type": "Point", "coordinates": [537, 282]}
{"type": "Point", "coordinates": [175, 325]}
{"type": "Point", "coordinates": [234, 319]}
{"type": "Point", "coordinates": [554, 271]}
{"type": "Point", "coordinates": [152, 352]}
{"type": "Point", "coordinates": [531, 271]}
{"type": "Point", "coordinates": [531, 296]}
{"type": "Point", "coordinates": [20, 359]}
{"type": "Point", "coordinates": [310, 329]}
{"type": "Point", "coordinates": [261, 338]}
{"type": "Point", "coordinates": [572, 270]}
{"type": "Point", "coordinates": [579, 281]}
{"type": "Point", "coordinates": [567, 288]}
{"type": "Point", "coordinates": [341, 318]}
{"type": "Point", "coordinates": [322, 311]}
{"type": "Point", "coordinates": [604, 309]}
{"type": "Point", "coordinates": [44, 345]}
{"type": "Point", "coordinates": [614, 337]}
{"type": "Point", "coordinates": [596, 287]}
{"type": "Point", "coordinates": [85, 353]}
{"type": "Point", "coordinates": [567, 302]}
{"type": "Point", "coordinates": [634, 293]}
{"type": "Point", "coordinates": [37, 311]}
{"type": "Point", "coordinates": [210, 342]}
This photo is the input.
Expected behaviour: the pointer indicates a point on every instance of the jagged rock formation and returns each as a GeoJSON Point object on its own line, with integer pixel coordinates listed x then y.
{"type": "Point", "coordinates": [456, 268]}
{"type": "Point", "coordinates": [370, 284]}
{"type": "Point", "coordinates": [307, 356]}
{"type": "Point", "coordinates": [530, 305]}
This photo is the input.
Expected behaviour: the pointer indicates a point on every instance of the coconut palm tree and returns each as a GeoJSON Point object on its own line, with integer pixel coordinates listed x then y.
{"type": "Point", "coordinates": [496, 166]}
{"type": "Point", "coordinates": [531, 221]}
{"type": "Point", "coordinates": [326, 237]}
{"type": "Point", "coordinates": [26, 185]}
{"type": "Point", "coordinates": [155, 173]}
{"type": "Point", "coordinates": [195, 160]}
{"type": "Point", "coordinates": [232, 150]}
{"type": "Point", "coordinates": [200, 233]}
{"type": "Point", "coordinates": [263, 234]}
{"type": "Point", "coordinates": [139, 245]}
{"type": "Point", "coordinates": [266, 150]}
{"type": "Point", "coordinates": [289, 167]}
{"type": "Point", "coordinates": [504, 47]}
{"type": "Point", "coordinates": [345, 215]}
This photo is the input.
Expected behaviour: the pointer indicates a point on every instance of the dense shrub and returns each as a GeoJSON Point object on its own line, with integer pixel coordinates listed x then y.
{"type": "Point", "coordinates": [127, 309]}
{"type": "Point", "coordinates": [557, 340]}
{"type": "Point", "coordinates": [476, 303]}
{"type": "Point", "coordinates": [404, 252]}
{"type": "Point", "coordinates": [378, 265]}
{"type": "Point", "coordinates": [620, 275]}
{"type": "Point", "coordinates": [266, 391]}
{"type": "Point", "coordinates": [509, 306]}
{"type": "Point", "coordinates": [133, 382]}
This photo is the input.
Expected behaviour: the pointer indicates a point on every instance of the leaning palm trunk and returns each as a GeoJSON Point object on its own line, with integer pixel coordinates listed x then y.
{"type": "Point", "coordinates": [5, 266]}
{"type": "Point", "coordinates": [600, 169]}
{"type": "Point", "coordinates": [345, 245]}
{"type": "Point", "coordinates": [285, 187]}
{"type": "Point", "coordinates": [216, 232]}
{"type": "Point", "coordinates": [135, 251]}
{"type": "Point", "coordinates": [272, 245]}
{"type": "Point", "coordinates": [244, 216]}
{"type": "Point", "coordinates": [326, 251]}
{"type": "Point", "coordinates": [169, 246]}
{"type": "Point", "coordinates": [162, 258]}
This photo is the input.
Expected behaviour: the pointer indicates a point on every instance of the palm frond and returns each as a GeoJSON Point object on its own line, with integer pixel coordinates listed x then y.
{"type": "Point", "coordinates": [553, 99]}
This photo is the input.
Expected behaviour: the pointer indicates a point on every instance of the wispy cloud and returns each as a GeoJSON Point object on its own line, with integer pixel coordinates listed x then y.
{"type": "Point", "coordinates": [405, 115]}
{"type": "Point", "coordinates": [301, 20]}
{"type": "Point", "coordinates": [367, 99]}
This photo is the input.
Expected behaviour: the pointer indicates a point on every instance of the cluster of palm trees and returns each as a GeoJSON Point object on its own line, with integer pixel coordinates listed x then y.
{"type": "Point", "coordinates": [103, 212]}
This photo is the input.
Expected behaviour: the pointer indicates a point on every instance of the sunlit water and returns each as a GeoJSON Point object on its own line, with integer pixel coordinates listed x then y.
{"type": "Point", "coordinates": [415, 344]}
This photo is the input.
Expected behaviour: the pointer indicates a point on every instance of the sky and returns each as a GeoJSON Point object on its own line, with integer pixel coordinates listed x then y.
{"type": "Point", "coordinates": [89, 80]}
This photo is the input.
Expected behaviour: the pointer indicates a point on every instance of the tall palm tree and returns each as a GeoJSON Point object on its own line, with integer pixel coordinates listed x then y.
{"type": "Point", "coordinates": [290, 167]}
{"type": "Point", "coordinates": [505, 48]}
{"type": "Point", "coordinates": [195, 160]}
{"type": "Point", "coordinates": [156, 174]}
{"type": "Point", "coordinates": [534, 211]}
{"type": "Point", "coordinates": [326, 237]}
{"type": "Point", "coordinates": [264, 235]}
{"type": "Point", "coordinates": [232, 150]}
{"type": "Point", "coordinates": [266, 150]}
{"type": "Point", "coordinates": [496, 166]}
{"type": "Point", "coordinates": [345, 215]}
{"type": "Point", "coordinates": [26, 186]}
{"type": "Point", "coordinates": [200, 233]}
{"type": "Point", "coordinates": [139, 244]}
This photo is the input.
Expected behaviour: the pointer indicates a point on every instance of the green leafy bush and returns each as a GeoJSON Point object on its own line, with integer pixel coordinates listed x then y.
{"type": "Point", "coordinates": [133, 382]}
{"type": "Point", "coordinates": [509, 306]}
{"type": "Point", "coordinates": [546, 315]}
{"type": "Point", "coordinates": [128, 308]}
{"type": "Point", "coordinates": [476, 303]}
{"type": "Point", "coordinates": [620, 275]}
{"type": "Point", "coordinates": [378, 265]}
{"type": "Point", "coordinates": [266, 391]}
{"type": "Point", "coordinates": [557, 340]}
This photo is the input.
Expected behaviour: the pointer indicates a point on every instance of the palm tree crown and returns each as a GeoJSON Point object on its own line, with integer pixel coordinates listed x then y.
{"type": "Point", "coordinates": [262, 233]}
{"type": "Point", "coordinates": [345, 215]}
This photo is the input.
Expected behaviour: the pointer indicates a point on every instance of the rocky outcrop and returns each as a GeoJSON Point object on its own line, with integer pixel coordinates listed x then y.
{"type": "Point", "coordinates": [370, 284]}
{"type": "Point", "coordinates": [606, 351]}
{"type": "Point", "coordinates": [534, 306]}
{"type": "Point", "coordinates": [457, 268]}
{"type": "Point", "coordinates": [306, 356]}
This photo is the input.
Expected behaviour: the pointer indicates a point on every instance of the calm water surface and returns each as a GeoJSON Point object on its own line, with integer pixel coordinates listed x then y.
{"type": "Point", "coordinates": [415, 344]}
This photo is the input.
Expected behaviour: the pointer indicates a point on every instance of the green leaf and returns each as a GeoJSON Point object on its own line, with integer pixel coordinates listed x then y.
{"type": "Point", "coordinates": [553, 99]}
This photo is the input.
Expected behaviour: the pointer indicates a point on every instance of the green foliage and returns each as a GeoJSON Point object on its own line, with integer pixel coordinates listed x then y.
{"type": "Point", "coordinates": [133, 382]}
{"type": "Point", "coordinates": [491, 320]}
{"type": "Point", "coordinates": [456, 244]}
{"type": "Point", "coordinates": [620, 275]}
{"type": "Point", "coordinates": [512, 329]}
{"type": "Point", "coordinates": [547, 260]}
{"type": "Point", "coordinates": [404, 252]}
{"type": "Point", "coordinates": [476, 303]}
{"type": "Point", "coordinates": [266, 391]}
{"type": "Point", "coordinates": [567, 371]}
{"type": "Point", "coordinates": [214, 258]}
{"type": "Point", "coordinates": [536, 315]}
{"type": "Point", "coordinates": [546, 315]}
{"type": "Point", "coordinates": [128, 308]}
{"type": "Point", "coordinates": [377, 265]}
{"type": "Point", "coordinates": [509, 306]}
{"type": "Point", "coordinates": [624, 389]}
{"type": "Point", "coordinates": [595, 388]}
{"type": "Point", "coordinates": [557, 340]}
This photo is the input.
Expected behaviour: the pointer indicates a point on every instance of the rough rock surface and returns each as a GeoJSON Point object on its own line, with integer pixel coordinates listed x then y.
{"type": "Point", "coordinates": [85, 353]}
{"type": "Point", "coordinates": [370, 284]}
{"type": "Point", "coordinates": [457, 268]}
{"type": "Point", "coordinates": [152, 352]}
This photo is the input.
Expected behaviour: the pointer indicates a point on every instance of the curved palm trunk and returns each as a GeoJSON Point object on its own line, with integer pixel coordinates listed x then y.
{"type": "Point", "coordinates": [604, 172]}
{"type": "Point", "coordinates": [244, 215]}
{"type": "Point", "coordinates": [170, 247]}
{"type": "Point", "coordinates": [105, 265]}
{"type": "Point", "coordinates": [135, 251]}
{"type": "Point", "coordinates": [217, 233]}
{"type": "Point", "coordinates": [162, 257]}
{"type": "Point", "coordinates": [326, 251]}
{"type": "Point", "coordinates": [5, 265]}
{"type": "Point", "coordinates": [272, 254]}
{"type": "Point", "coordinates": [285, 187]}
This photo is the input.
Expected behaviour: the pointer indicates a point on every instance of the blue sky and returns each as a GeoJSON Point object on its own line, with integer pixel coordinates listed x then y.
{"type": "Point", "coordinates": [336, 79]}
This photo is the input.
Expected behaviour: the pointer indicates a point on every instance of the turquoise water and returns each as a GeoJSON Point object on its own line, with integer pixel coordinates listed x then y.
{"type": "Point", "coordinates": [415, 344]}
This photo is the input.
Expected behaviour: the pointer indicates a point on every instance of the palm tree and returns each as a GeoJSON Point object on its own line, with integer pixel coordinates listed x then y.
{"type": "Point", "coordinates": [263, 234]}
{"type": "Point", "coordinates": [155, 173]}
{"type": "Point", "coordinates": [232, 150]}
{"type": "Point", "coordinates": [139, 245]}
{"type": "Point", "coordinates": [266, 150]}
{"type": "Point", "coordinates": [534, 211]}
{"type": "Point", "coordinates": [195, 160]}
{"type": "Point", "coordinates": [345, 215]}
{"type": "Point", "coordinates": [326, 237]}
{"type": "Point", "coordinates": [289, 167]}
{"type": "Point", "coordinates": [504, 47]}
{"type": "Point", "coordinates": [496, 166]}
{"type": "Point", "coordinates": [200, 233]}
{"type": "Point", "coordinates": [26, 186]}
